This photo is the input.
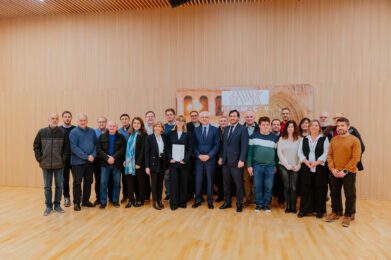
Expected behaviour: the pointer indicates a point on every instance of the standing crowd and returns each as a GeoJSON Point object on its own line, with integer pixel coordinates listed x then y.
{"type": "Point", "coordinates": [197, 161]}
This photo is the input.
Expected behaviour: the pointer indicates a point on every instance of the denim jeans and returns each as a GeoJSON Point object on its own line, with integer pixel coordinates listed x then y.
{"type": "Point", "coordinates": [104, 180]}
{"type": "Point", "coordinates": [48, 180]}
{"type": "Point", "coordinates": [289, 179]}
{"type": "Point", "coordinates": [263, 181]}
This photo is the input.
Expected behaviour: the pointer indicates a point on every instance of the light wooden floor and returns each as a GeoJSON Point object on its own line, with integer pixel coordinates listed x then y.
{"type": "Point", "coordinates": [145, 233]}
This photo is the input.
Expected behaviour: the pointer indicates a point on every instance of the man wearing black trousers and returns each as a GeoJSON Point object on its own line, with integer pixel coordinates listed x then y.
{"type": "Point", "coordinates": [233, 157]}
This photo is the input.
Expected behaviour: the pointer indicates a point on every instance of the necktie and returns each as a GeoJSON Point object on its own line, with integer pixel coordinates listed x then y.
{"type": "Point", "coordinates": [231, 129]}
{"type": "Point", "coordinates": [204, 132]}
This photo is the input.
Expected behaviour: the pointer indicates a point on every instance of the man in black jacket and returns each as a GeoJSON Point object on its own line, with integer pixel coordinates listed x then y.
{"type": "Point", "coordinates": [52, 151]}
{"type": "Point", "coordinates": [111, 148]}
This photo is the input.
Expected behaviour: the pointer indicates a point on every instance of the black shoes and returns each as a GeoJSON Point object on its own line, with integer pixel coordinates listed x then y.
{"type": "Point", "coordinates": [97, 202]}
{"type": "Point", "coordinates": [130, 203]}
{"type": "Point", "coordinates": [210, 205]}
{"type": "Point", "coordinates": [167, 197]}
{"type": "Point", "coordinates": [196, 205]}
{"type": "Point", "coordinates": [225, 206]}
{"type": "Point", "coordinates": [102, 206]}
{"type": "Point", "coordinates": [319, 215]}
{"type": "Point", "coordinates": [301, 214]}
{"type": "Point", "coordinates": [183, 206]}
{"type": "Point", "coordinates": [288, 209]}
{"type": "Point", "coordinates": [156, 205]}
{"type": "Point", "coordinates": [76, 207]}
{"type": "Point", "coordinates": [239, 208]}
{"type": "Point", "coordinates": [116, 205]}
{"type": "Point", "coordinates": [138, 204]}
{"type": "Point", "coordinates": [88, 204]}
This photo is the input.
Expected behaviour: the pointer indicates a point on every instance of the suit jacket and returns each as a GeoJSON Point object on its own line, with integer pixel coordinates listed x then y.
{"type": "Point", "coordinates": [207, 146]}
{"type": "Point", "coordinates": [187, 140]}
{"type": "Point", "coordinates": [190, 127]}
{"type": "Point", "coordinates": [152, 155]}
{"type": "Point", "coordinates": [140, 149]}
{"type": "Point", "coordinates": [235, 145]}
{"type": "Point", "coordinates": [102, 149]}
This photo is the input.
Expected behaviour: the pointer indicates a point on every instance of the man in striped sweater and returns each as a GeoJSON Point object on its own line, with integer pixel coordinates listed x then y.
{"type": "Point", "coordinates": [261, 162]}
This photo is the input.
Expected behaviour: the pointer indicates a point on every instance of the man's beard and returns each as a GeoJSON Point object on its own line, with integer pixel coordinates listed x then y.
{"type": "Point", "coordinates": [324, 124]}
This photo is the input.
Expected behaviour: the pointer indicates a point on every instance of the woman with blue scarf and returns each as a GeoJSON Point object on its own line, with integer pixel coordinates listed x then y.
{"type": "Point", "coordinates": [134, 163]}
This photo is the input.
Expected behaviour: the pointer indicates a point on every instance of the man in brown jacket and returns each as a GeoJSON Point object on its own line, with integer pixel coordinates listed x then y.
{"type": "Point", "coordinates": [344, 154]}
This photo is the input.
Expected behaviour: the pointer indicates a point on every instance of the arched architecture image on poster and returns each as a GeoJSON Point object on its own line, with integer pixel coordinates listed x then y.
{"type": "Point", "coordinates": [263, 100]}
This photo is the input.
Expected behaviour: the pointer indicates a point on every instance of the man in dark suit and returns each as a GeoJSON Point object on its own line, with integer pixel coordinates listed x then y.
{"type": "Point", "coordinates": [206, 148]}
{"type": "Point", "coordinates": [193, 124]}
{"type": "Point", "coordinates": [233, 157]}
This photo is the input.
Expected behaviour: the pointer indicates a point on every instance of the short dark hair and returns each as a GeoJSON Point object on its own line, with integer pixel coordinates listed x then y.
{"type": "Point", "coordinates": [276, 119]}
{"type": "Point", "coordinates": [124, 115]}
{"type": "Point", "coordinates": [344, 120]}
{"type": "Point", "coordinates": [285, 108]}
{"type": "Point", "coordinates": [263, 119]}
{"type": "Point", "coordinates": [234, 111]}
{"type": "Point", "coordinates": [150, 111]}
{"type": "Point", "coordinates": [66, 112]}
{"type": "Point", "coordinates": [193, 111]}
{"type": "Point", "coordinates": [169, 110]}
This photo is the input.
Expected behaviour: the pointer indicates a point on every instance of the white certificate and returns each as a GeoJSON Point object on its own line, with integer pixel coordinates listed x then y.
{"type": "Point", "coordinates": [178, 152]}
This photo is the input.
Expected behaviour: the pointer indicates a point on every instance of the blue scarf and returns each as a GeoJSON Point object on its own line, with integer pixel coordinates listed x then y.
{"type": "Point", "coordinates": [130, 157]}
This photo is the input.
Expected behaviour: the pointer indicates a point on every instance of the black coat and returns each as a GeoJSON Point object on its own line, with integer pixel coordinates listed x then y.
{"type": "Point", "coordinates": [140, 149]}
{"type": "Point", "coordinates": [321, 174]}
{"type": "Point", "coordinates": [187, 140]}
{"type": "Point", "coordinates": [235, 145]}
{"type": "Point", "coordinates": [102, 149]}
{"type": "Point", "coordinates": [152, 155]}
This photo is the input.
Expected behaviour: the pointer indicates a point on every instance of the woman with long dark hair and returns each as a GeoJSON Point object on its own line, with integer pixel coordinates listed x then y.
{"type": "Point", "coordinates": [314, 175]}
{"type": "Point", "coordinates": [304, 127]}
{"type": "Point", "coordinates": [289, 163]}
{"type": "Point", "coordinates": [135, 163]}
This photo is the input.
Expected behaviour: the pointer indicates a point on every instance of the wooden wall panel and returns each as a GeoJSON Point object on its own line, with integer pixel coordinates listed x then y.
{"type": "Point", "coordinates": [134, 61]}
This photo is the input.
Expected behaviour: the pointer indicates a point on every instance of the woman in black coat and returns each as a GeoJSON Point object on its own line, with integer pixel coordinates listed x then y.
{"type": "Point", "coordinates": [179, 167]}
{"type": "Point", "coordinates": [135, 163]}
{"type": "Point", "coordinates": [156, 162]}
{"type": "Point", "coordinates": [313, 151]}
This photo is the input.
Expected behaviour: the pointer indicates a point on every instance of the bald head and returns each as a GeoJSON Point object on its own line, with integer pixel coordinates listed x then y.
{"type": "Point", "coordinates": [53, 119]}
{"type": "Point", "coordinates": [82, 120]}
{"type": "Point", "coordinates": [250, 118]}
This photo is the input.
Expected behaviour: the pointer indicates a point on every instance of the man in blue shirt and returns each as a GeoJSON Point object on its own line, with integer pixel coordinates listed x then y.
{"type": "Point", "coordinates": [83, 148]}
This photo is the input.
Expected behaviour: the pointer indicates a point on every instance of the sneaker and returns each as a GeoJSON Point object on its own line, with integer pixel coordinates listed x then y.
{"type": "Point", "coordinates": [47, 211]}
{"type": "Point", "coordinates": [59, 209]}
{"type": "Point", "coordinates": [257, 209]}
{"type": "Point", "coordinates": [346, 221]}
{"type": "Point", "coordinates": [67, 202]}
{"type": "Point", "coordinates": [331, 217]}
{"type": "Point", "coordinates": [267, 209]}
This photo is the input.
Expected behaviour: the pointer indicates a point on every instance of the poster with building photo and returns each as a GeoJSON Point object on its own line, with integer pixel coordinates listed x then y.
{"type": "Point", "coordinates": [264, 100]}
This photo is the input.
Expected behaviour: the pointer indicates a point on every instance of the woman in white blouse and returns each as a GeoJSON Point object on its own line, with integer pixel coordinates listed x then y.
{"type": "Point", "coordinates": [289, 163]}
{"type": "Point", "coordinates": [314, 175]}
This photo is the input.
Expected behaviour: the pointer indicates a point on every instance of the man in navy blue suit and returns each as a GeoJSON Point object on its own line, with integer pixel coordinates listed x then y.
{"type": "Point", "coordinates": [206, 149]}
{"type": "Point", "coordinates": [232, 158]}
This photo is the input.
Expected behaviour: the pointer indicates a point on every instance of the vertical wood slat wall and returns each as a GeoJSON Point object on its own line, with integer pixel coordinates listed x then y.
{"type": "Point", "coordinates": [134, 61]}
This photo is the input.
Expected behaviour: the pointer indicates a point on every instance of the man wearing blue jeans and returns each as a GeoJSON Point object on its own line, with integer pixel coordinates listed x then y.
{"type": "Point", "coordinates": [52, 151]}
{"type": "Point", "coordinates": [110, 149]}
{"type": "Point", "coordinates": [261, 162]}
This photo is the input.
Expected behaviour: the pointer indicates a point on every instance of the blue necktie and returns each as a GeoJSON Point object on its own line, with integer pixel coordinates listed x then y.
{"type": "Point", "coordinates": [204, 132]}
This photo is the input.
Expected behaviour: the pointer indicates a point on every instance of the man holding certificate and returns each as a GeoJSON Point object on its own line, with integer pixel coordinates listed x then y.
{"type": "Point", "coordinates": [206, 148]}
{"type": "Point", "coordinates": [179, 153]}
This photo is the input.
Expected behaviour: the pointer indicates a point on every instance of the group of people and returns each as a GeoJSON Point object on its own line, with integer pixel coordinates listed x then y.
{"type": "Point", "coordinates": [252, 161]}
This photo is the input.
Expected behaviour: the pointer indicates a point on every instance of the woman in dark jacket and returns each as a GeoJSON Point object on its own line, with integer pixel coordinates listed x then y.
{"type": "Point", "coordinates": [313, 151]}
{"type": "Point", "coordinates": [179, 167]}
{"type": "Point", "coordinates": [135, 163]}
{"type": "Point", "coordinates": [156, 162]}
